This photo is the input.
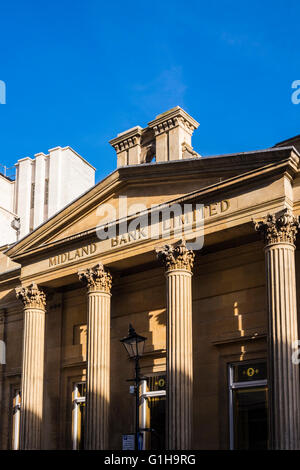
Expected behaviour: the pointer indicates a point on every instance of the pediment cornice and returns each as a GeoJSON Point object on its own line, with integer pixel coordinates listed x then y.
{"type": "Point", "coordinates": [253, 167]}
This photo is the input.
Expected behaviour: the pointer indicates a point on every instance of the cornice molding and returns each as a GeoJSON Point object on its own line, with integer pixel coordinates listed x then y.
{"type": "Point", "coordinates": [127, 139]}
{"type": "Point", "coordinates": [171, 119]}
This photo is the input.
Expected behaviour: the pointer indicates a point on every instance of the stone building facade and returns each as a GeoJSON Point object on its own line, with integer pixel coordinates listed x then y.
{"type": "Point", "coordinates": [220, 364]}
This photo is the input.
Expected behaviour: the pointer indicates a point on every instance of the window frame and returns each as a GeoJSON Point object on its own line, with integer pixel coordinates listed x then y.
{"type": "Point", "coordinates": [144, 395]}
{"type": "Point", "coordinates": [76, 401]}
{"type": "Point", "coordinates": [236, 386]}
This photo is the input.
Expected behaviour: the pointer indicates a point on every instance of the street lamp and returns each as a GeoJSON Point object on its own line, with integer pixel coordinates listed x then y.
{"type": "Point", "coordinates": [134, 345]}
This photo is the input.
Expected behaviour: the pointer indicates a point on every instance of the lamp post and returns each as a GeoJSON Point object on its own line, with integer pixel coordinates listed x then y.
{"type": "Point", "coordinates": [134, 345]}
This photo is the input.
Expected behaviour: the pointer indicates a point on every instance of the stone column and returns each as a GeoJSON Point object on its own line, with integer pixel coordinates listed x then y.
{"type": "Point", "coordinates": [98, 283]}
{"type": "Point", "coordinates": [178, 261]}
{"type": "Point", "coordinates": [279, 233]}
{"type": "Point", "coordinates": [34, 301]}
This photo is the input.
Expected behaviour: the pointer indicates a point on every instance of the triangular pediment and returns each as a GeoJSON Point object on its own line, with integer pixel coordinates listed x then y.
{"type": "Point", "coordinates": [144, 185]}
{"type": "Point", "coordinates": [131, 198]}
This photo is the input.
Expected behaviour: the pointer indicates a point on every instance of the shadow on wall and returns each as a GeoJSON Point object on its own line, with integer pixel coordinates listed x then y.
{"type": "Point", "coordinates": [30, 438]}
{"type": "Point", "coordinates": [122, 414]}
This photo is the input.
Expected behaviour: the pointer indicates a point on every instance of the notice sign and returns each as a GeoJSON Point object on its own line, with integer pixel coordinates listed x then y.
{"type": "Point", "coordinates": [128, 442]}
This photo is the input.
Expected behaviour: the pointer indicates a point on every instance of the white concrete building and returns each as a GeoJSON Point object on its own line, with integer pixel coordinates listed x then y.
{"type": "Point", "coordinates": [42, 186]}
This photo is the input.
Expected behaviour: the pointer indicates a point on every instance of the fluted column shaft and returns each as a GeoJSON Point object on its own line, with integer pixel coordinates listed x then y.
{"type": "Point", "coordinates": [179, 359]}
{"type": "Point", "coordinates": [284, 397]}
{"type": "Point", "coordinates": [98, 357]}
{"type": "Point", "coordinates": [179, 261]}
{"type": "Point", "coordinates": [32, 367]}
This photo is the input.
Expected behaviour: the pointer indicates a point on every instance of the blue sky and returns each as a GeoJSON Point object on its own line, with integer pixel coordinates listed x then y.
{"type": "Point", "coordinates": [79, 72]}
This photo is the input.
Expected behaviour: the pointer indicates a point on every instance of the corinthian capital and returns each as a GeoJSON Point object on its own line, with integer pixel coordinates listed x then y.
{"type": "Point", "coordinates": [281, 228]}
{"type": "Point", "coordinates": [96, 278]}
{"type": "Point", "coordinates": [176, 256]}
{"type": "Point", "coordinates": [31, 296]}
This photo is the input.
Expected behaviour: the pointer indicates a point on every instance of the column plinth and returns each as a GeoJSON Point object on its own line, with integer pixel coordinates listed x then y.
{"type": "Point", "coordinates": [34, 301]}
{"type": "Point", "coordinates": [279, 235]}
{"type": "Point", "coordinates": [98, 283]}
{"type": "Point", "coordinates": [178, 261]}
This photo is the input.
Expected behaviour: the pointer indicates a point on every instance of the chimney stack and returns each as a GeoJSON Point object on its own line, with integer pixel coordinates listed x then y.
{"type": "Point", "coordinates": [128, 146]}
{"type": "Point", "coordinates": [168, 137]}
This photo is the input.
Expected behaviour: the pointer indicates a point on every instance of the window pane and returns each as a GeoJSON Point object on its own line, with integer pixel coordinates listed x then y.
{"type": "Point", "coordinates": [78, 415]}
{"type": "Point", "coordinates": [250, 418]}
{"type": "Point", "coordinates": [250, 371]}
{"type": "Point", "coordinates": [81, 390]}
{"type": "Point", "coordinates": [157, 407]}
{"type": "Point", "coordinates": [157, 382]}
